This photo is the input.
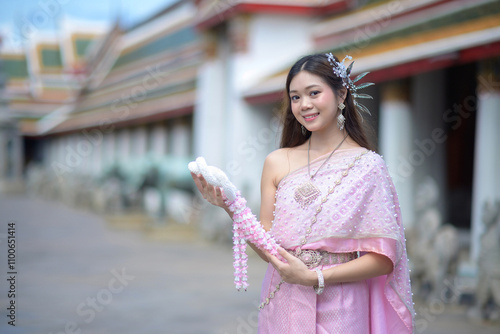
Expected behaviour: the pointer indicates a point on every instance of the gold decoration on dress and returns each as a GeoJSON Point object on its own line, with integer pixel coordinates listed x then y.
{"type": "Point", "coordinates": [307, 192]}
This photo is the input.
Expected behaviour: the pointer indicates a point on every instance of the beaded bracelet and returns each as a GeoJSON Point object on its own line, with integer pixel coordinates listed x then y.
{"type": "Point", "coordinates": [321, 282]}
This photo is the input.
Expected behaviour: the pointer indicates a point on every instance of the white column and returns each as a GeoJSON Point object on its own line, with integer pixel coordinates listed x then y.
{"type": "Point", "coordinates": [210, 132]}
{"type": "Point", "coordinates": [124, 144]}
{"type": "Point", "coordinates": [79, 162]}
{"type": "Point", "coordinates": [64, 147]}
{"type": "Point", "coordinates": [139, 142]}
{"type": "Point", "coordinates": [84, 150]}
{"type": "Point", "coordinates": [395, 141]}
{"type": "Point", "coordinates": [97, 160]}
{"type": "Point", "coordinates": [181, 138]}
{"type": "Point", "coordinates": [487, 153]}
{"type": "Point", "coordinates": [109, 150]}
{"type": "Point", "coordinates": [159, 140]}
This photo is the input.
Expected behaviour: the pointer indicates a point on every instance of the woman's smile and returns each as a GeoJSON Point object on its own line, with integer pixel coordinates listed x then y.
{"type": "Point", "coordinates": [311, 117]}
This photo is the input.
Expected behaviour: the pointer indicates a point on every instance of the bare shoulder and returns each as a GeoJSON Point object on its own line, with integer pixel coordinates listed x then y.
{"type": "Point", "coordinates": [277, 156]}
{"type": "Point", "coordinates": [276, 165]}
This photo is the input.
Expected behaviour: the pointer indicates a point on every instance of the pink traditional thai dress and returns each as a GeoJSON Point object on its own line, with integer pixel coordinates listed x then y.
{"type": "Point", "coordinates": [362, 215]}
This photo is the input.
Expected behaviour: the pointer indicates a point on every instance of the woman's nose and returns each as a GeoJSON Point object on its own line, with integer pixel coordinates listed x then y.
{"type": "Point", "coordinates": [306, 104]}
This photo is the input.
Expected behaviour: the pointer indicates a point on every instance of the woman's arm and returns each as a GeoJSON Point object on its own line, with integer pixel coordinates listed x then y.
{"type": "Point", "coordinates": [268, 191]}
{"type": "Point", "coordinates": [367, 266]}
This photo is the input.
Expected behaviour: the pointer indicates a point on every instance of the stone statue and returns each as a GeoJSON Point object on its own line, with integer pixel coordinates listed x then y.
{"type": "Point", "coordinates": [433, 247]}
{"type": "Point", "coordinates": [488, 284]}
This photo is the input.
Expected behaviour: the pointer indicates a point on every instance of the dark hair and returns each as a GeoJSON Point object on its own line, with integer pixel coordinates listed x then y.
{"type": "Point", "coordinates": [319, 65]}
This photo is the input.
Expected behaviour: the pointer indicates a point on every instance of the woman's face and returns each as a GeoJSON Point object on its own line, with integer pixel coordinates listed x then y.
{"type": "Point", "coordinates": [314, 104]}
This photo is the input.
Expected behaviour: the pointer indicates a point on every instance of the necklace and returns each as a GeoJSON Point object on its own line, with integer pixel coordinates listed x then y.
{"type": "Point", "coordinates": [307, 192]}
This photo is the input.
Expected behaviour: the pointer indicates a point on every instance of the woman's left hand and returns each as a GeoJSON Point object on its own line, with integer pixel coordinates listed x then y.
{"type": "Point", "coordinates": [294, 271]}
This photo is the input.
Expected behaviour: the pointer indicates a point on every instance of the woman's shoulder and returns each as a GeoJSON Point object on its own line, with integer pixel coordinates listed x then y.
{"type": "Point", "coordinates": [375, 159]}
{"type": "Point", "coordinates": [278, 156]}
{"type": "Point", "coordinates": [374, 163]}
{"type": "Point", "coordinates": [374, 171]}
{"type": "Point", "coordinates": [277, 159]}
{"type": "Point", "coordinates": [280, 162]}
{"type": "Point", "coordinates": [368, 159]}
{"type": "Point", "coordinates": [285, 153]}
{"type": "Point", "coordinates": [277, 164]}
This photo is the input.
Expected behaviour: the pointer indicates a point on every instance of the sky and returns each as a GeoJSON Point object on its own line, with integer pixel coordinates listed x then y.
{"type": "Point", "coordinates": [24, 17]}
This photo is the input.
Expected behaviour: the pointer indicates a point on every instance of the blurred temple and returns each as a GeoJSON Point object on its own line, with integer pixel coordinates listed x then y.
{"type": "Point", "coordinates": [110, 118]}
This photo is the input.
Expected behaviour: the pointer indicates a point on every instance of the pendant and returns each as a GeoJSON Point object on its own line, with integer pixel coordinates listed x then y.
{"type": "Point", "coordinates": [306, 194]}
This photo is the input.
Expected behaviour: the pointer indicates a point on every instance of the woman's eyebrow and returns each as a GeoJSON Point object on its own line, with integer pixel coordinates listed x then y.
{"type": "Point", "coordinates": [308, 87]}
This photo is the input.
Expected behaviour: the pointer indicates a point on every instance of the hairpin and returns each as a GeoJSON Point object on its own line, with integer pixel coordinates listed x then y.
{"type": "Point", "coordinates": [344, 72]}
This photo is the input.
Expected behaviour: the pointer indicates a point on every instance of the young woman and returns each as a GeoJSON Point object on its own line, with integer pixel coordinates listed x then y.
{"type": "Point", "coordinates": [330, 204]}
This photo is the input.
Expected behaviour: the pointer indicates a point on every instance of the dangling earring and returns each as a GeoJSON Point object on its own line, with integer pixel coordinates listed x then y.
{"type": "Point", "coordinates": [304, 130]}
{"type": "Point", "coordinates": [341, 122]}
{"type": "Point", "coordinates": [340, 117]}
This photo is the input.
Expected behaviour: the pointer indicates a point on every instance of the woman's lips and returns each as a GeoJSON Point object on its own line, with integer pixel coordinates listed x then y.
{"type": "Point", "coordinates": [310, 118]}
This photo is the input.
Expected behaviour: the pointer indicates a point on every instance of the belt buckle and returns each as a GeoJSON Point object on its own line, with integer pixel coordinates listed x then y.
{"type": "Point", "coordinates": [311, 258]}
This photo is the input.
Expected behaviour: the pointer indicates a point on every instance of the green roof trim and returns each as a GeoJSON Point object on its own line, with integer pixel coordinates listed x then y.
{"type": "Point", "coordinates": [452, 19]}
{"type": "Point", "coordinates": [15, 68]}
{"type": "Point", "coordinates": [171, 41]}
{"type": "Point", "coordinates": [81, 45]}
{"type": "Point", "coordinates": [51, 58]}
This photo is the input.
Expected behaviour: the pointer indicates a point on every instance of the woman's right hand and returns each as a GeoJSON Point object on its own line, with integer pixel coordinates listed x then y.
{"type": "Point", "coordinates": [209, 192]}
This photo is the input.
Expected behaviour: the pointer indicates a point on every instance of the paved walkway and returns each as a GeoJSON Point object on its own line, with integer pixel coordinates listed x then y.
{"type": "Point", "coordinates": [77, 275]}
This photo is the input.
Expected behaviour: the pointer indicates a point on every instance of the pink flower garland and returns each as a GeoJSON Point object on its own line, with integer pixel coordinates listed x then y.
{"type": "Point", "coordinates": [246, 227]}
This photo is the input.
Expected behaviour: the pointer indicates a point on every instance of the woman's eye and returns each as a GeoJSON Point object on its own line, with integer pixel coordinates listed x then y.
{"type": "Point", "coordinates": [294, 98]}
{"type": "Point", "coordinates": [315, 92]}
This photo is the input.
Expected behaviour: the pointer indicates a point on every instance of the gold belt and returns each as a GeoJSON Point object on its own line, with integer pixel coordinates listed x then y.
{"type": "Point", "coordinates": [314, 258]}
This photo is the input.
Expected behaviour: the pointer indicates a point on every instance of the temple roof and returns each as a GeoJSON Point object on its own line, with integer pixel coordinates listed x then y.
{"type": "Point", "coordinates": [396, 42]}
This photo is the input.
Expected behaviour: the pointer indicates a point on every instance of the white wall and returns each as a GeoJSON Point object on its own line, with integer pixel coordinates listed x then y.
{"type": "Point", "coordinates": [275, 42]}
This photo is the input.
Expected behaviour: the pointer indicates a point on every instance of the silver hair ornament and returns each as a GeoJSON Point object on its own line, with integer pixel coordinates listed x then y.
{"type": "Point", "coordinates": [344, 72]}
